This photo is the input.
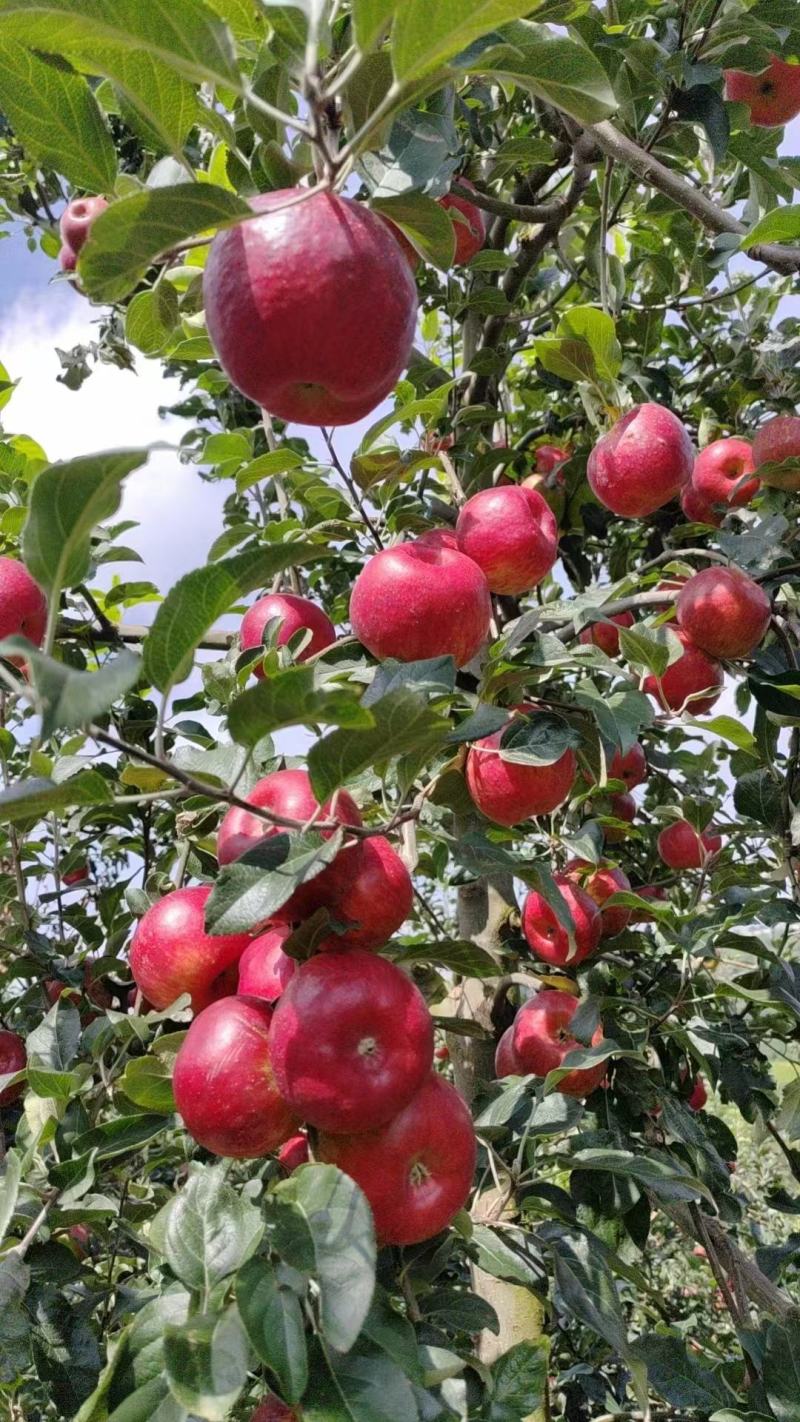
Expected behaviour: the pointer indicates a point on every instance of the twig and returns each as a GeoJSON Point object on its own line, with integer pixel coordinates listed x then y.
{"type": "Point", "coordinates": [351, 488]}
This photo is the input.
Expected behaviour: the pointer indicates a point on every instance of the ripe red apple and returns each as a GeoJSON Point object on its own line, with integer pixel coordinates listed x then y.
{"type": "Point", "coordinates": [76, 876]}
{"type": "Point", "coordinates": [642, 463]}
{"type": "Point", "coordinates": [630, 766]}
{"type": "Point", "coordinates": [286, 793]}
{"type": "Point", "coordinates": [311, 307]}
{"type": "Point", "coordinates": [682, 686]}
{"type": "Point", "coordinates": [171, 953]}
{"type": "Point", "coordinates": [272, 1409]}
{"type": "Point", "coordinates": [416, 1171]}
{"type": "Point", "coordinates": [409, 251]}
{"type": "Point", "coordinates": [696, 509]}
{"type": "Point", "coordinates": [772, 95]}
{"type": "Point", "coordinates": [296, 614]}
{"type": "Point", "coordinates": [699, 1096]}
{"type": "Point", "coordinates": [419, 600]}
{"type": "Point", "coordinates": [779, 440]}
{"type": "Point", "coordinates": [508, 792]}
{"type": "Point", "coordinates": [512, 535]}
{"type": "Point", "coordinates": [541, 1040]}
{"type": "Point", "coordinates": [439, 538]}
{"type": "Point", "coordinates": [264, 968]}
{"type": "Point", "coordinates": [13, 1058]}
{"type": "Point", "coordinates": [721, 470]}
{"type": "Point", "coordinates": [505, 1058]}
{"type": "Point", "coordinates": [294, 1153]}
{"type": "Point", "coordinates": [647, 891]}
{"type": "Point", "coordinates": [547, 939]}
{"type": "Point", "coordinates": [442, 1054]}
{"type": "Point", "coordinates": [681, 846]}
{"type": "Point", "coordinates": [23, 606]}
{"type": "Point", "coordinates": [351, 1041]}
{"type": "Point", "coordinates": [369, 887]}
{"type": "Point", "coordinates": [224, 1081]}
{"type": "Point", "coordinates": [76, 221]}
{"type": "Point", "coordinates": [723, 612]}
{"type": "Point", "coordinates": [600, 883]}
{"type": "Point", "coordinates": [605, 635]}
{"type": "Point", "coordinates": [471, 232]}
{"type": "Point", "coordinates": [549, 456]}
{"type": "Point", "coordinates": [620, 807]}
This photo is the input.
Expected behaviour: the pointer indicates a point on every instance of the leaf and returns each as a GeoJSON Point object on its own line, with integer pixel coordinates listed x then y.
{"type": "Point", "coordinates": [54, 1043]}
{"type": "Point", "coordinates": [425, 224]}
{"type": "Point", "coordinates": [273, 1318]}
{"type": "Point", "coordinates": [662, 1176]}
{"type": "Point", "coordinates": [133, 231]}
{"type": "Point", "coordinates": [338, 1222]}
{"type": "Point", "coordinates": [38, 796]}
{"type": "Point", "coordinates": [68, 500]}
{"type": "Point", "coordinates": [370, 18]}
{"type": "Point", "coordinates": [151, 318]}
{"type": "Point", "coordinates": [359, 1388]}
{"type": "Point", "coordinates": [458, 957]}
{"type": "Point", "coordinates": [778, 693]}
{"type": "Point", "coordinates": [561, 71]}
{"type": "Point", "coordinates": [71, 699]}
{"type": "Point", "coordinates": [195, 602]}
{"type": "Point", "coordinates": [9, 1190]}
{"type": "Point", "coordinates": [537, 740]}
{"type": "Point", "coordinates": [586, 1286]}
{"type": "Point", "coordinates": [435, 676]}
{"type": "Point", "coordinates": [290, 698]}
{"type": "Point", "coordinates": [147, 1081]}
{"type": "Point", "coordinates": [596, 328]}
{"type": "Point", "coordinates": [206, 1361]}
{"type": "Point", "coordinates": [519, 1380]}
{"type": "Point", "coordinates": [425, 36]}
{"type": "Point", "coordinates": [206, 1231]}
{"type": "Point", "coordinates": [483, 721]}
{"type": "Point", "coordinates": [248, 892]}
{"type": "Point", "coordinates": [460, 1311]}
{"type": "Point", "coordinates": [418, 154]}
{"type": "Point", "coordinates": [703, 104]}
{"type": "Point", "coordinates": [781, 1370]}
{"type": "Point", "coordinates": [266, 466]}
{"type": "Point", "coordinates": [759, 796]}
{"type": "Point", "coordinates": [56, 118]}
{"type": "Point", "coordinates": [676, 1376]}
{"type": "Point", "coordinates": [512, 1255]}
{"type": "Point", "coordinates": [782, 224]}
{"type": "Point", "coordinates": [403, 722]}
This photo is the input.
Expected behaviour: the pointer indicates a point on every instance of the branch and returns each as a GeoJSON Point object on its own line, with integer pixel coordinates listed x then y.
{"type": "Point", "coordinates": [760, 1290]}
{"type": "Point", "coordinates": [514, 211]}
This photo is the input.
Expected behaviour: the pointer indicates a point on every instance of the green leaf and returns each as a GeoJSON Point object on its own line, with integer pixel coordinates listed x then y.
{"type": "Point", "coordinates": [274, 1322]}
{"type": "Point", "coordinates": [390, 1331]}
{"type": "Point", "coordinates": [38, 796]}
{"type": "Point", "coordinates": [758, 796]}
{"type": "Point", "coordinates": [338, 1223]}
{"type": "Point", "coordinates": [538, 740]}
{"type": "Point", "coordinates": [425, 36]}
{"type": "Point", "coordinates": [359, 1387]}
{"type": "Point", "coordinates": [586, 1286]}
{"type": "Point", "coordinates": [425, 224]}
{"type": "Point", "coordinates": [597, 330]}
{"type": "Point", "coordinates": [782, 224]}
{"type": "Point", "coordinates": [248, 892]}
{"type": "Point", "coordinates": [68, 500]}
{"type": "Point", "coordinates": [195, 602]}
{"type": "Point", "coordinates": [132, 232]}
{"type": "Point", "coordinates": [56, 118]}
{"type": "Point", "coordinates": [781, 1369]}
{"type": "Point", "coordinates": [703, 104]}
{"type": "Point", "coordinates": [290, 698]}
{"type": "Point", "coordinates": [653, 649]}
{"type": "Point", "coordinates": [661, 1175]}
{"type": "Point", "coordinates": [206, 1231]}
{"type": "Point", "coordinates": [151, 318]}
{"type": "Point", "coordinates": [147, 1081]}
{"type": "Point", "coordinates": [512, 1255]}
{"type": "Point", "coordinates": [266, 466]}
{"type": "Point", "coordinates": [403, 722]}
{"type": "Point", "coordinates": [460, 1311]}
{"type": "Point", "coordinates": [676, 1375]}
{"type": "Point", "coordinates": [206, 1361]}
{"type": "Point", "coordinates": [458, 957]}
{"type": "Point", "coordinates": [561, 71]}
{"type": "Point", "coordinates": [69, 698]}
{"type": "Point", "coordinates": [418, 153]}
{"type": "Point", "coordinates": [435, 676]}
{"type": "Point", "coordinates": [370, 19]}
{"type": "Point", "coordinates": [9, 1190]}
{"type": "Point", "coordinates": [519, 1381]}
{"type": "Point", "coordinates": [159, 105]}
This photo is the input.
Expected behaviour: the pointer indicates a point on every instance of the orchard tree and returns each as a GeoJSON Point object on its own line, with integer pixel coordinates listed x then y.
{"type": "Point", "coordinates": [405, 1079]}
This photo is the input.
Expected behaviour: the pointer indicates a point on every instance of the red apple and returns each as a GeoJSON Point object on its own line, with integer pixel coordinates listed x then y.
{"type": "Point", "coordinates": [681, 846]}
{"type": "Point", "coordinates": [76, 221]}
{"type": "Point", "coordinates": [171, 953]}
{"type": "Point", "coordinates": [605, 635]}
{"type": "Point", "coordinates": [642, 463]}
{"type": "Point", "coordinates": [224, 1081]}
{"type": "Point", "coordinates": [508, 792]}
{"type": "Point", "coordinates": [721, 470]}
{"type": "Point", "coordinates": [511, 534]}
{"type": "Point", "coordinates": [294, 1153]}
{"type": "Point", "coordinates": [286, 793]}
{"type": "Point", "coordinates": [264, 968]}
{"type": "Point", "coordinates": [541, 1040]}
{"type": "Point", "coordinates": [13, 1058]}
{"type": "Point", "coordinates": [439, 538]}
{"type": "Point", "coordinates": [420, 600]}
{"type": "Point", "coordinates": [549, 456]}
{"type": "Point", "coordinates": [772, 95]}
{"type": "Point", "coordinates": [647, 891]}
{"type": "Point", "coordinates": [76, 876]}
{"type": "Point", "coordinates": [272, 1409]}
{"type": "Point", "coordinates": [369, 888]}
{"type": "Point", "coordinates": [620, 807]}
{"type": "Point", "coordinates": [684, 683]}
{"type": "Point", "coordinates": [351, 1041]}
{"type": "Point", "coordinates": [296, 614]}
{"type": "Point", "coordinates": [779, 440]}
{"type": "Point", "coordinates": [442, 1054]}
{"type": "Point", "coordinates": [471, 231]}
{"type": "Point", "coordinates": [699, 1096]}
{"type": "Point", "coordinates": [416, 1171]}
{"type": "Point", "coordinates": [630, 766]}
{"type": "Point", "coordinates": [547, 939]}
{"type": "Point", "coordinates": [67, 260]}
{"type": "Point", "coordinates": [23, 606]}
{"type": "Point", "coordinates": [723, 612]}
{"type": "Point", "coordinates": [696, 509]}
{"type": "Point", "coordinates": [53, 989]}
{"type": "Point", "coordinates": [409, 251]}
{"type": "Point", "coordinates": [311, 307]}
{"type": "Point", "coordinates": [505, 1059]}
{"type": "Point", "coordinates": [600, 883]}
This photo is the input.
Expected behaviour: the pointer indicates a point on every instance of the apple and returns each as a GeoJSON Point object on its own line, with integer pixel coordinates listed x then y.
{"type": "Point", "coordinates": [647, 891]}
{"type": "Point", "coordinates": [369, 888]}
{"type": "Point", "coordinates": [264, 968]}
{"type": "Point", "coordinates": [171, 953]}
{"type": "Point", "coordinates": [778, 440]}
{"type": "Point", "coordinates": [629, 766]}
{"type": "Point", "coordinates": [409, 251]}
{"type": "Point", "coordinates": [296, 614]}
{"type": "Point", "coordinates": [681, 846]}
{"type": "Point", "coordinates": [642, 463]}
{"type": "Point", "coordinates": [508, 792]}
{"type": "Point", "coordinates": [698, 1095]}
{"type": "Point", "coordinates": [294, 1153]}
{"type": "Point", "coordinates": [67, 260]}
{"type": "Point", "coordinates": [53, 989]}
{"type": "Point", "coordinates": [605, 634]}
{"type": "Point", "coordinates": [439, 538]}
{"type": "Point", "coordinates": [511, 533]}
{"type": "Point", "coordinates": [548, 457]}
{"type": "Point", "coordinates": [696, 509]}
{"type": "Point", "coordinates": [723, 612]}
{"type": "Point", "coordinates": [546, 937]}
{"type": "Point", "coordinates": [76, 876]}
{"type": "Point", "coordinates": [772, 95]}
{"type": "Point", "coordinates": [541, 1040]}
{"type": "Point", "coordinates": [13, 1058]}
{"type": "Point", "coordinates": [620, 807]}
{"type": "Point", "coordinates": [272, 1409]}
{"type": "Point", "coordinates": [419, 600]}
{"type": "Point", "coordinates": [442, 1054]}
{"type": "Point", "coordinates": [505, 1058]}
{"type": "Point", "coordinates": [351, 1041]}
{"type": "Point", "coordinates": [684, 683]}
{"type": "Point", "coordinates": [311, 306]}
{"type": "Point", "coordinates": [600, 883]}
{"type": "Point", "coordinates": [471, 231]}
{"type": "Point", "coordinates": [224, 1081]}
{"type": "Point", "coordinates": [23, 605]}
{"type": "Point", "coordinates": [286, 793]}
{"type": "Point", "coordinates": [76, 221]}
{"type": "Point", "coordinates": [722, 471]}
{"type": "Point", "coordinates": [417, 1171]}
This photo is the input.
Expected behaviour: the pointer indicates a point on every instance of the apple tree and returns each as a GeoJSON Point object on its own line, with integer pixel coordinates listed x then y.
{"type": "Point", "coordinates": [392, 987]}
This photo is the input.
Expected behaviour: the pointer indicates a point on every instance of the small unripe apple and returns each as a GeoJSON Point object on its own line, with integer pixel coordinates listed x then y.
{"type": "Point", "coordinates": [541, 1040]}
{"type": "Point", "coordinates": [13, 1058]}
{"type": "Point", "coordinates": [600, 883]}
{"type": "Point", "coordinates": [721, 473]}
{"type": "Point", "coordinates": [419, 600]}
{"type": "Point", "coordinates": [605, 634]}
{"type": "Point", "coordinates": [471, 232]}
{"type": "Point", "coordinates": [264, 968]}
{"type": "Point", "coordinates": [723, 612]}
{"type": "Point", "coordinates": [508, 792]}
{"type": "Point", "coordinates": [171, 953]}
{"type": "Point", "coordinates": [311, 306]}
{"type": "Point", "coordinates": [692, 683]}
{"type": "Point", "coordinates": [294, 1153]}
{"type": "Point", "coordinates": [772, 95]}
{"type": "Point", "coordinates": [681, 846]}
{"type": "Point", "coordinates": [696, 509]}
{"type": "Point", "coordinates": [511, 533]}
{"type": "Point", "coordinates": [296, 614]}
{"type": "Point", "coordinates": [779, 440]}
{"type": "Point", "coordinates": [546, 937]}
{"type": "Point", "coordinates": [642, 463]}
{"type": "Point", "coordinates": [77, 218]}
{"type": "Point", "coordinates": [23, 605]}
{"type": "Point", "coordinates": [620, 807]}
